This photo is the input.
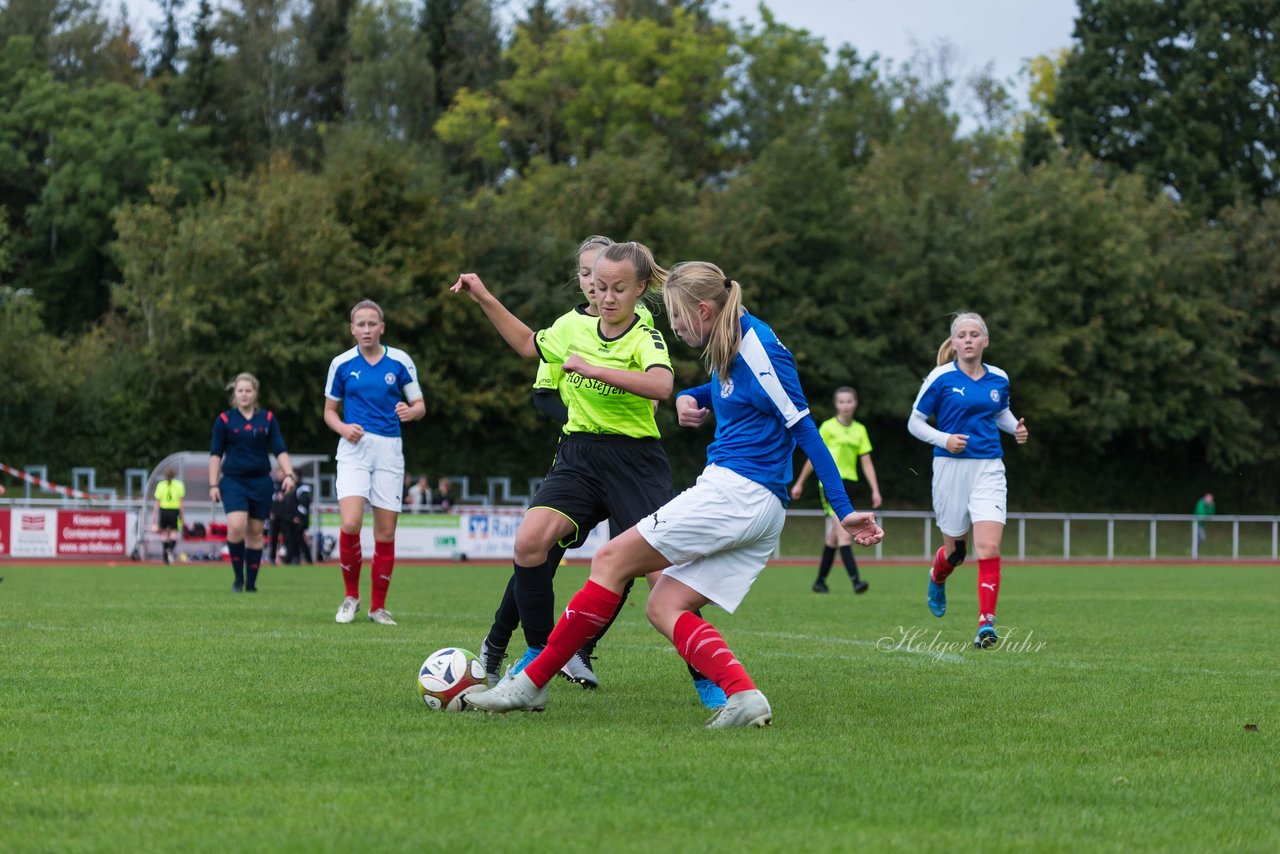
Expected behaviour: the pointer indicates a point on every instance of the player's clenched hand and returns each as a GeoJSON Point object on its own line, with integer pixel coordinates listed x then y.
{"type": "Point", "coordinates": [863, 527]}
{"type": "Point", "coordinates": [689, 413]}
{"type": "Point", "coordinates": [1020, 432]}
{"type": "Point", "coordinates": [403, 411]}
{"type": "Point", "coordinates": [352, 432]}
{"type": "Point", "coordinates": [575, 364]}
{"type": "Point", "coordinates": [957, 442]}
{"type": "Point", "coordinates": [470, 284]}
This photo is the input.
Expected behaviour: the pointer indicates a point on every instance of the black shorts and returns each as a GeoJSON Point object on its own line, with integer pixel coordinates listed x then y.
{"type": "Point", "coordinates": [598, 477]}
{"type": "Point", "coordinates": [850, 488]}
{"type": "Point", "coordinates": [168, 520]}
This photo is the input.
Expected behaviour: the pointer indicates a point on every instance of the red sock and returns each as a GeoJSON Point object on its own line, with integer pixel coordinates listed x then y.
{"type": "Point", "coordinates": [349, 558]}
{"type": "Point", "coordinates": [702, 646]}
{"type": "Point", "coordinates": [988, 588]}
{"type": "Point", "coordinates": [590, 609]}
{"type": "Point", "coordinates": [384, 561]}
{"type": "Point", "coordinates": [941, 568]}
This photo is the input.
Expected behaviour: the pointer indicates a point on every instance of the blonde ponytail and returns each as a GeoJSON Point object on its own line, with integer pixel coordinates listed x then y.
{"type": "Point", "coordinates": [692, 282]}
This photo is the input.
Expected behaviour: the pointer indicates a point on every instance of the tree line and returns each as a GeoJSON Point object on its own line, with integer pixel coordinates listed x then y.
{"type": "Point", "coordinates": [213, 195]}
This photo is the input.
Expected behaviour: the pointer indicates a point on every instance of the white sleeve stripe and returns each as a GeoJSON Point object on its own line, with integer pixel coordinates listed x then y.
{"type": "Point", "coordinates": [929, 380]}
{"type": "Point", "coordinates": [412, 391]}
{"type": "Point", "coordinates": [757, 359]}
{"type": "Point", "coordinates": [337, 362]}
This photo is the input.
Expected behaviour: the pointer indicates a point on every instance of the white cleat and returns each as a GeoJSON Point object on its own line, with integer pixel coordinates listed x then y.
{"type": "Point", "coordinates": [517, 694]}
{"type": "Point", "coordinates": [381, 617]}
{"type": "Point", "coordinates": [578, 671]}
{"type": "Point", "coordinates": [744, 709]}
{"type": "Point", "coordinates": [347, 612]}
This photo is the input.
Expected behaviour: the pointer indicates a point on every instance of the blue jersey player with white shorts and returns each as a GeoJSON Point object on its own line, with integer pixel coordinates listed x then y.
{"type": "Point", "coordinates": [377, 388]}
{"type": "Point", "coordinates": [970, 402]}
{"type": "Point", "coordinates": [244, 437]}
{"type": "Point", "coordinates": [712, 540]}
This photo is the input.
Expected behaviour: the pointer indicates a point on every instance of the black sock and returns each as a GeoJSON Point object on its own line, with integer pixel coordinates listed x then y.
{"type": "Point", "coordinates": [236, 553]}
{"type": "Point", "coordinates": [536, 598]}
{"type": "Point", "coordinates": [252, 560]}
{"type": "Point", "coordinates": [828, 556]}
{"type": "Point", "coordinates": [506, 618]}
{"type": "Point", "coordinates": [850, 565]}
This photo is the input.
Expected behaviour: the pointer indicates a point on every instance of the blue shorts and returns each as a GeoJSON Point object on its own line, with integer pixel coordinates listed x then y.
{"type": "Point", "coordinates": [252, 494]}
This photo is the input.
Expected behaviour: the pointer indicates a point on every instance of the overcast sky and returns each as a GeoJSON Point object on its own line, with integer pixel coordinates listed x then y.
{"type": "Point", "coordinates": [1004, 33]}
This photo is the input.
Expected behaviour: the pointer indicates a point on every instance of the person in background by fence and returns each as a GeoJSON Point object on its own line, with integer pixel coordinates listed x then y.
{"type": "Point", "coordinates": [420, 495]}
{"type": "Point", "coordinates": [1205, 509]}
{"type": "Point", "coordinates": [277, 519]}
{"type": "Point", "coordinates": [244, 437]}
{"type": "Point", "coordinates": [168, 513]}
{"type": "Point", "coordinates": [377, 388]}
{"type": "Point", "coordinates": [442, 501]}
{"type": "Point", "coordinates": [848, 442]}
{"type": "Point", "coordinates": [297, 521]}
{"type": "Point", "coordinates": [970, 400]}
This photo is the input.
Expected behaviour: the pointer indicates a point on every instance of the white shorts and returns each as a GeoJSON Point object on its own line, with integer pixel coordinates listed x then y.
{"type": "Point", "coordinates": [372, 468]}
{"type": "Point", "coordinates": [967, 491]}
{"type": "Point", "coordinates": [718, 534]}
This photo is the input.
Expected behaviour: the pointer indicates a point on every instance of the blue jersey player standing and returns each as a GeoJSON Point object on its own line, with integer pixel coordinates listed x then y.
{"type": "Point", "coordinates": [712, 540]}
{"type": "Point", "coordinates": [377, 388]}
{"type": "Point", "coordinates": [970, 402]}
{"type": "Point", "coordinates": [244, 437]}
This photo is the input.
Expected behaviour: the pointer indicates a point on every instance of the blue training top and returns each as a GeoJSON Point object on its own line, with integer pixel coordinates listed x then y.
{"type": "Point", "coordinates": [243, 443]}
{"type": "Point", "coordinates": [761, 415]}
{"type": "Point", "coordinates": [370, 392]}
{"type": "Point", "coordinates": [962, 404]}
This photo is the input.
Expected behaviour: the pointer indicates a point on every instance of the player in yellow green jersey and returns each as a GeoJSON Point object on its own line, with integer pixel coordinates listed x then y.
{"type": "Point", "coordinates": [168, 515]}
{"type": "Point", "coordinates": [849, 444]}
{"type": "Point", "coordinates": [548, 400]}
{"type": "Point", "coordinates": [609, 464]}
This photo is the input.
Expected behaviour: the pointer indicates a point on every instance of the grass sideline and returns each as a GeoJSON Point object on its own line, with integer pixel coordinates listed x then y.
{"type": "Point", "coordinates": [145, 707]}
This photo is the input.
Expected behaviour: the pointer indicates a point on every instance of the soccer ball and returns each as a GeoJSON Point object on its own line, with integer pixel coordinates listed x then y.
{"type": "Point", "coordinates": [447, 676]}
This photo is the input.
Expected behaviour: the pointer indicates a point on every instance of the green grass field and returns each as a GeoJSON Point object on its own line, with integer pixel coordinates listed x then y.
{"type": "Point", "coordinates": [146, 708]}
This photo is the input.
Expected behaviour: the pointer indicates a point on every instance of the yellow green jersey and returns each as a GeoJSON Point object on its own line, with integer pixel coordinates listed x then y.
{"type": "Point", "coordinates": [169, 493]}
{"type": "Point", "coordinates": [846, 444]}
{"type": "Point", "coordinates": [550, 376]}
{"type": "Point", "coordinates": [595, 406]}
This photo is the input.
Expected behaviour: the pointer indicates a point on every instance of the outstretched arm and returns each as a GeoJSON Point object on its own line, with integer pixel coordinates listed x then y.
{"type": "Point", "coordinates": [513, 329]}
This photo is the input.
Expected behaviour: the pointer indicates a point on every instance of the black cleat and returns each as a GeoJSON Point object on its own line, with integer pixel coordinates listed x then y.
{"type": "Point", "coordinates": [237, 587]}
{"type": "Point", "coordinates": [819, 586]}
{"type": "Point", "coordinates": [860, 586]}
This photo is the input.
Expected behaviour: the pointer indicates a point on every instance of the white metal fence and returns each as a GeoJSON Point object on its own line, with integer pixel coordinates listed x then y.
{"type": "Point", "coordinates": [912, 533]}
{"type": "Point", "coordinates": [1068, 536]}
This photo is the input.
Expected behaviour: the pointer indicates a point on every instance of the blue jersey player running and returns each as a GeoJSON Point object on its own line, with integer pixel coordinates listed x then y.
{"type": "Point", "coordinates": [244, 437]}
{"type": "Point", "coordinates": [377, 388]}
{"type": "Point", "coordinates": [970, 401]}
{"type": "Point", "coordinates": [714, 538]}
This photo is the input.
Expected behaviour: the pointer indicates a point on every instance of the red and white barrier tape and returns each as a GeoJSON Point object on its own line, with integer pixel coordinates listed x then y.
{"type": "Point", "coordinates": [49, 485]}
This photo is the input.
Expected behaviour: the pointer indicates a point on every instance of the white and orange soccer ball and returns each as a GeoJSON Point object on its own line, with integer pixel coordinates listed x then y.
{"type": "Point", "coordinates": [448, 676]}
